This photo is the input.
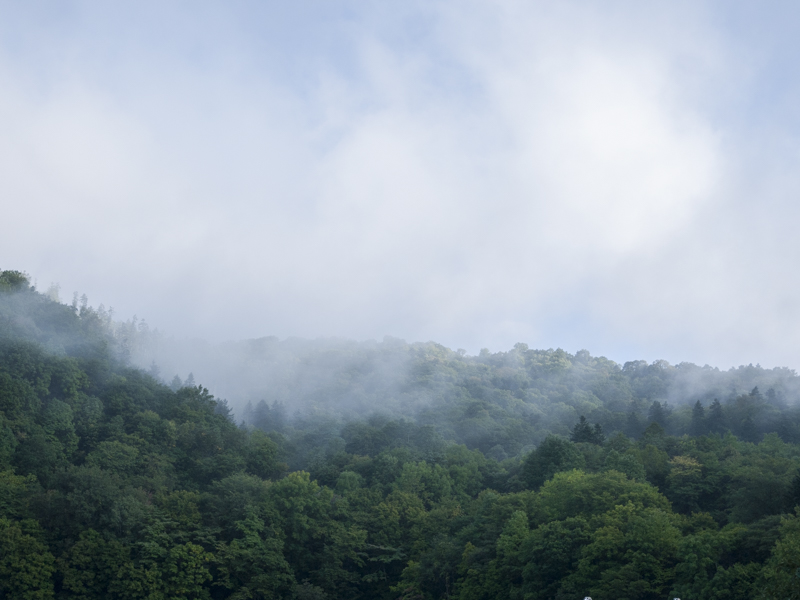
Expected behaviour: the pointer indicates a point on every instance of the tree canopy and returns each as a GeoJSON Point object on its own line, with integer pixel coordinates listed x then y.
{"type": "Point", "coordinates": [525, 476]}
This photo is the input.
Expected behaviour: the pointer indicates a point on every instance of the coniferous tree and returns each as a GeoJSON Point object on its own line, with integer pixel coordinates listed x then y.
{"type": "Point", "coordinates": [582, 432]}
{"type": "Point", "coordinates": [598, 437]}
{"type": "Point", "coordinates": [176, 383]}
{"type": "Point", "coordinates": [658, 413]}
{"type": "Point", "coordinates": [717, 423]}
{"type": "Point", "coordinates": [699, 425]}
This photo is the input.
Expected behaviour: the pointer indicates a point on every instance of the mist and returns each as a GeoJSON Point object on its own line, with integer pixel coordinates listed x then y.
{"type": "Point", "coordinates": [328, 396]}
{"type": "Point", "coordinates": [503, 403]}
{"type": "Point", "coordinates": [351, 379]}
{"type": "Point", "coordinates": [621, 178]}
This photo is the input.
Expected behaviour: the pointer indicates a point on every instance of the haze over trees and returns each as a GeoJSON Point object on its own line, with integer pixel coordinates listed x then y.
{"type": "Point", "coordinates": [384, 470]}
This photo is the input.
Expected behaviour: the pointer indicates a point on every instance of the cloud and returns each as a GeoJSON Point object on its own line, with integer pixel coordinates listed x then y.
{"type": "Point", "coordinates": [573, 156]}
{"type": "Point", "coordinates": [475, 173]}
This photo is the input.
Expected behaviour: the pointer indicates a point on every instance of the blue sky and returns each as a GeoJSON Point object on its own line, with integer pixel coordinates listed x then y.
{"type": "Point", "coordinates": [616, 176]}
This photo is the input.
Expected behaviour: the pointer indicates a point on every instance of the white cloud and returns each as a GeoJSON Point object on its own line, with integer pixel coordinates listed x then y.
{"type": "Point", "coordinates": [551, 173]}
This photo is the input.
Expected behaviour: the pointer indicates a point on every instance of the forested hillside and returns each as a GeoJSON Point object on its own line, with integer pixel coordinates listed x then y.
{"type": "Point", "coordinates": [397, 471]}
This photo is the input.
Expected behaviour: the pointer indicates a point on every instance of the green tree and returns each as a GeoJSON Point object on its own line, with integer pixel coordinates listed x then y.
{"type": "Point", "coordinates": [253, 565]}
{"type": "Point", "coordinates": [552, 456]}
{"type": "Point", "coordinates": [510, 560]}
{"type": "Point", "coordinates": [685, 483]}
{"type": "Point", "coordinates": [551, 554]}
{"type": "Point", "coordinates": [11, 281]}
{"type": "Point", "coordinates": [698, 425]}
{"type": "Point", "coordinates": [627, 463]}
{"type": "Point", "coordinates": [26, 565]}
{"type": "Point", "coordinates": [658, 413]}
{"type": "Point", "coordinates": [780, 572]}
{"type": "Point", "coordinates": [717, 421]}
{"type": "Point", "coordinates": [582, 432]}
{"type": "Point", "coordinates": [317, 543]}
{"type": "Point", "coordinates": [262, 456]}
{"type": "Point", "coordinates": [91, 566]}
{"type": "Point", "coordinates": [631, 555]}
{"type": "Point", "coordinates": [574, 494]}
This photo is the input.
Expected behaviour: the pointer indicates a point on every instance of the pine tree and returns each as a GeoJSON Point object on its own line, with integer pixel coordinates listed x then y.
{"type": "Point", "coordinates": [582, 432]}
{"type": "Point", "coordinates": [717, 422]}
{"type": "Point", "coordinates": [176, 383]}
{"type": "Point", "coordinates": [598, 437]}
{"type": "Point", "coordinates": [658, 413]}
{"type": "Point", "coordinates": [699, 425]}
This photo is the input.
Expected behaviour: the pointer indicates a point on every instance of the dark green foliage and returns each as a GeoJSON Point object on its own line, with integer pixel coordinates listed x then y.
{"type": "Point", "coordinates": [113, 485]}
{"type": "Point", "coordinates": [262, 456]}
{"type": "Point", "coordinates": [699, 425]}
{"type": "Point", "coordinates": [552, 552]}
{"type": "Point", "coordinates": [717, 423]}
{"type": "Point", "coordinates": [552, 456]}
{"type": "Point", "coordinates": [583, 432]}
{"type": "Point", "coordinates": [658, 413]}
{"type": "Point", "coordinates": [26, 565]}
{"type": "Point", "coordinates": [780, 572]}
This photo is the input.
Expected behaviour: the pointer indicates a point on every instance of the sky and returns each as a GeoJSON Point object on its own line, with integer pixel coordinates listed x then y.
{"type": "Point", "coordinates": [619, 176]}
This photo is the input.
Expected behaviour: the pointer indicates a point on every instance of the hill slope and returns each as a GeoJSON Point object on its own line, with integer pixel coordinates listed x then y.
{"type": "Point", "coordinates": [113, 485]}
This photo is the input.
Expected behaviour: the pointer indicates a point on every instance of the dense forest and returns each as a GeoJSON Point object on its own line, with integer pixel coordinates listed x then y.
{"type": "Point", "coordinates": [385, 470]}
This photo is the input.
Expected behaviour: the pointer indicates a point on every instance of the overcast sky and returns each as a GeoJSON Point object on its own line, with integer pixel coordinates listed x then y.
{"type": "Point", "coordinates": [617, 176]}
